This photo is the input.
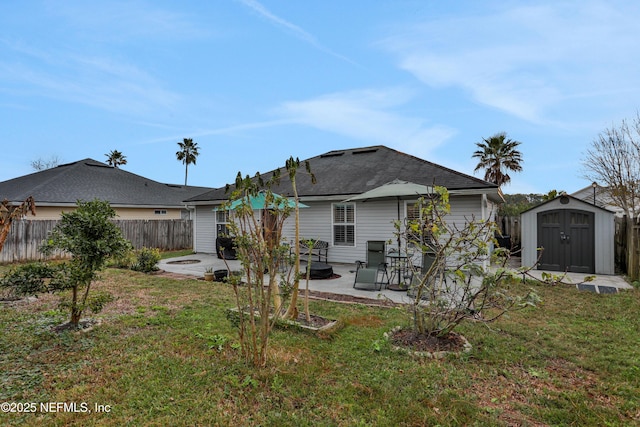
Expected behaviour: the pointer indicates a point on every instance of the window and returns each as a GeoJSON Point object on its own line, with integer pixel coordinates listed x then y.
{"type": "Point", "coordinates": [222, 219]}
{"type": "Point", "coordinates": [160, 212]}
{"type": "Point", "coordinates": [415, 216]}
{"type": "Point", "coordinates": [344, 224]}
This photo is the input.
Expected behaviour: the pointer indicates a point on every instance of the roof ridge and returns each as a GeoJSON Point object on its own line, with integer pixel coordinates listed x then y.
{"type": "Point", "coordinates": [478, 180]}
{"type": "Point", "coordinates": [68, 167]}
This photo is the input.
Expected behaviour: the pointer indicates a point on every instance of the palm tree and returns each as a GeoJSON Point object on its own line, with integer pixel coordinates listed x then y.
{"type": "Point", "coordinates": [187, 154]}
{"type": "Point", "coordinates": [497, 155]}
{"type": "Point", "coordinates": [115, 158]}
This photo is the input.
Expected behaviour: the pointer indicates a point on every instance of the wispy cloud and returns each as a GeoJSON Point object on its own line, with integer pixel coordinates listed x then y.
{"type": "Point", "coordinates": [84, 62]}
{"type": "Point", "coordinates": [518, 60]}
{"type": "Point", "coordinates": [292, 28]}
{"type": "Point", "coordinates": [372, 116]}
{"type": "Point", "coordinates": [226, 130]}
{"type": "Point", "coordinates": [368, 115]}
{"type": "Point", "coordinates": [97, 81]}
{"type": "Point", "coordinates": [126, 20]}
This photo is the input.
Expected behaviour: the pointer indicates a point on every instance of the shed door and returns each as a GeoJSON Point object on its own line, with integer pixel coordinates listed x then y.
{"type": "Point", "coordinates": [567, 237]}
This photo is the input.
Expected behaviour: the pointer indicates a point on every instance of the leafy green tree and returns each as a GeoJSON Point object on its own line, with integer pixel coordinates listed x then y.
{"type": "Point", "coordinates": [187, 154]}
{"type": "Point", "coordinates": [515, 204]}
{"type": "Point", "coordinates": [497, 155]}
{"type": "Point", "coordinates": [89, 235]}
{"type": "Point", "coordinates": [115, 158]}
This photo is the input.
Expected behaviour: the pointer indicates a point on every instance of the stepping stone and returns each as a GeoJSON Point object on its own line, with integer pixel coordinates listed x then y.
{"type": "Point", "coordinates": [607, 289]}
{"type": "Point", "coordinates": [587, 287]}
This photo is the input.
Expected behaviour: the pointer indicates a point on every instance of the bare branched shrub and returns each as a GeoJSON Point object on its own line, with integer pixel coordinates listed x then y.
{"type": "Point", "coordinates": [450, 279]}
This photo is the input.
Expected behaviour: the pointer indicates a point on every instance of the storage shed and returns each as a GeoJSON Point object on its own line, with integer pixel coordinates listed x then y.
{"type": "Point", "coordinates": [575, 236]}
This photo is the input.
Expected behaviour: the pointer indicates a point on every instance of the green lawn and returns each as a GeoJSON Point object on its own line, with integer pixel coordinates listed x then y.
{"type": "Point", "coordinates": [165, 354]}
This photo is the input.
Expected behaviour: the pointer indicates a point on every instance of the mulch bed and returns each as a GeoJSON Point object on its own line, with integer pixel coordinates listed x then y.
{"type": "Point", "coordinates": [316, 321]}
{"type": "Point", "coordinates": [350, 299]}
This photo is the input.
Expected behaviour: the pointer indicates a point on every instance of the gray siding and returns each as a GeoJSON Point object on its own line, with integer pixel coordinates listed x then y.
{"type": "Point", "coordinates": [374, 221]}
{"type": "Point", "coordinates": [204, 239]}
{"type": "Point", "coordinates": [604, 229]}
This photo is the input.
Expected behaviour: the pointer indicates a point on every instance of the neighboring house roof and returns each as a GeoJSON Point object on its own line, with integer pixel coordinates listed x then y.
{"type": "Point", "coordinates": [568, 197]}
{"type": "Point", "coordinates": [354, 171]}
{"type": "Point", "coordinates": [602, 198]}
{"type": "Point", "coordinates": [89, 179]}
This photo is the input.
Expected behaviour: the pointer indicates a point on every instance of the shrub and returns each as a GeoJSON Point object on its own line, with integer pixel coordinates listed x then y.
{"type": "Point", "coordinates": [124, 261]}
{"type": "Point", "coordinates": [28, 279]}
{"type": "Point", "coordinates": [146, 260]}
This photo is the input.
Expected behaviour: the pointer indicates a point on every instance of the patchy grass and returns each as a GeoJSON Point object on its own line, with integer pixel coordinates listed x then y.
{"type": "Point", "coordinates": [165, 354]}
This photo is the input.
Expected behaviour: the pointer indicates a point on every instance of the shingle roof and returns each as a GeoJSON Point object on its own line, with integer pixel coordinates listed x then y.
{"type": "Point", "coordinates": [89, 179]}
{"type": "Point", "coordinates": [354, 171]}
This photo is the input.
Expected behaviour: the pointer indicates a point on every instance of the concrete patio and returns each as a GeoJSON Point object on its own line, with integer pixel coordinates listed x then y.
{"type": "Point", "coordinates": [195, 265]}
{"type": "Point", "coordinates": [341, 286]}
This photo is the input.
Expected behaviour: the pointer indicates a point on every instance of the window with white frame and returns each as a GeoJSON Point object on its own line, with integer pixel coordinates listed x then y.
{"type": "Point", "coordinates": [344, 224]}
{"type": "Point", "coordinates": [222, 221]}
{"type": "Point", "coordinates": [414, 214]}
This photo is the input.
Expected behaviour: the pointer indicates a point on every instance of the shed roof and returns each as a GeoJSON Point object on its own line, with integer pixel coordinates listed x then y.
{"type": "Point", "coordinates": [354, 171]}
{"type": "Point", "coordinates": [553, 202]}
{"type": "Point", "coordinates": [89, 179]}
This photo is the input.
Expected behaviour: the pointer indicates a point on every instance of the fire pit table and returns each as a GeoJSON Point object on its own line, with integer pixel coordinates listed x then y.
{"type": "Point", "coordinates": [320, 270]}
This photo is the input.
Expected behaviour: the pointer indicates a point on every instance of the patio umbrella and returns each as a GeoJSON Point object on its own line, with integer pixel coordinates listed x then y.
{"type": "Point", "coordinates": [259, 201]}
{"type": "Point", "coordinates": [396, 189]}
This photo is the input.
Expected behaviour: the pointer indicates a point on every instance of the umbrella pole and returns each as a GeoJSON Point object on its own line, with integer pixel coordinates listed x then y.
{"type": "Point", "coordinates": [399, 224]}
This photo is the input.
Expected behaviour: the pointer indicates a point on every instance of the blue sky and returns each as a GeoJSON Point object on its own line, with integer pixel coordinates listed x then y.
{"type": "Point", "coordinates": [254, 82]}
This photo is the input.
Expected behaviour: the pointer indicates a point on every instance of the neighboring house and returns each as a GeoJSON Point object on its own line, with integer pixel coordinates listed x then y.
{"type": "Point", "coordinates": [347, 226]}
{"type": "Point", "coordinates": [575, 235]}
{"type": "Point", "coordinates": [598, 196]}
{"type": "Point", "coordinates": [132, 196]}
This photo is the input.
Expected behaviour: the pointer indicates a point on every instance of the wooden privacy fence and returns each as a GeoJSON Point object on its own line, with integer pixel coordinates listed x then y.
{"type": "Point", "coordinates": [510, 226]}
{"type": "Point", "coordinates": [26, 236]}
{"type": "Point", "coordinates": [627, 248]}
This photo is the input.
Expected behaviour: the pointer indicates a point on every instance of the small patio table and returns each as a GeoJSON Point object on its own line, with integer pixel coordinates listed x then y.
{"type": "Point", "coordinates": [399, 270]}
{"type": "Point", "coordinates": [320, 270]}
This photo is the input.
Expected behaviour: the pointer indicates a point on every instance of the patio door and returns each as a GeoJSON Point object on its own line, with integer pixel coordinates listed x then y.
{"type": "Point", "coordinates": [567, 237]}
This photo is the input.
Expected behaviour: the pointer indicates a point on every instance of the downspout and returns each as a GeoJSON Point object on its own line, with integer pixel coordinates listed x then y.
{"type": "Point", "coordinates": [484, 202]}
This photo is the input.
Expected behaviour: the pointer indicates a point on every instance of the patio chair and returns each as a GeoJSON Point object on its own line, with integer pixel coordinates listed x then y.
{"type": "Point", "coordinates": [374, 271]}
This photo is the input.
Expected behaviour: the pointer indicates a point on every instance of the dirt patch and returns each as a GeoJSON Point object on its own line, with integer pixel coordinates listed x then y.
{"type": "Point", "coordinates": [84, 325]}
{"type": "Point", "coordinates": [350, 299]}
{"type": "Point", "coordinates": [514, 388]}
{"type": "Point", "coordinates": [176, 276]}
{"type": "Point", "coordinates": [315, 321]}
